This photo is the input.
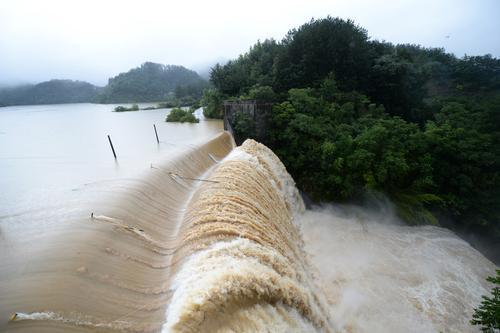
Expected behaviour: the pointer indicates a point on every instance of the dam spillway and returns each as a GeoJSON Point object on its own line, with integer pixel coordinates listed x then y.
{"type": "Point", "coordinates": [216, 239]}
{"type": "Point", "coordinates": [198, 243]}
{"type": "Point", "coordinates": [245, 269]}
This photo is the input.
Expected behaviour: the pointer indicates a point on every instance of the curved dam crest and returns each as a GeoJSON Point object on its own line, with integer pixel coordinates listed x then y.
{"type": "Point", "coordinates": [194, 244]}
{"type": "Point", "coordinates": [245, 269]}
{"type": "Point", "coordinates": [105, 263]}
{"type": "Point", "coordinates": [213, 241]}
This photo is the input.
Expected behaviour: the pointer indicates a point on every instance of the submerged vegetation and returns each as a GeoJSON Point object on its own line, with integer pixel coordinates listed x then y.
{"type": "Point", "coordinates": [121, 108]}
{"type": "Point", "coordinates": [353, 115]}
{"type": "Point", "coordinates": [182, 116]}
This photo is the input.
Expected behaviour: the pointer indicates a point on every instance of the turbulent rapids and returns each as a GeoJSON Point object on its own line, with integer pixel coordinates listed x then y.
{"type": "Point", "coordinates": [211, 241]}
{"type": "Point", "coordinates": [243, 267]}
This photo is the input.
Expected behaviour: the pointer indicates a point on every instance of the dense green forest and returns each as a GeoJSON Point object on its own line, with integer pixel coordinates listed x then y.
{"type": "Point", "coordinates": [354, 116]}
{"type": "Point", "coordinates": [150, 82]}
{"type": "Point", "coordinates": [49, 92]}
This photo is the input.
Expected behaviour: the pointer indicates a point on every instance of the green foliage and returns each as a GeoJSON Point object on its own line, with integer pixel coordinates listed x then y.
{"type": "Point", "coordinates": [412, 208]}
{"type": "Point", "coordinates": [353, 115]}
{"type": "Point", "coordinates": [195, 106]}
{"type": "Point", "coordinates": [151, 82]}
{"type": "Point", "coordinates": [174, 102]}
{"type": "Point", "coordinates": [253, 68]}
{"type": "Point", "coordinates": [338, 149]}
{"type": "Point", "coordinates": [477, 74]}
{"type": "Point", "coordinates": [258, 92]}
{"type": "Point", "coordinates": [403, 78]}
{"type": "Point", "coordinates": [182, 116]}
{"type": "Point", "coordinates": [171, 103]}
{"type": "Point", "coordinates": [398, 84]}
{"type": "Point", "coordinates": [487, 315]}
{"type": "Point", "coordinates": [148, 83]}
{"type": "Point", "coordinates": [50, 92]}
{"type": "Point", "coordinates": [320, 47]}
{"type": "Point", "coordinates": [212, 103]}
{"type": "Point", "coordinates": [243, 125]}
{"type": "Point", "coordinates": [191, 90]}
{"type": "Point", "coordinates": [121, 108]}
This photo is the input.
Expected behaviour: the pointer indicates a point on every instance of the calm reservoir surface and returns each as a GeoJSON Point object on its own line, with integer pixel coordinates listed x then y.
{"type": "Point", "coordinates": [48, 151]}
{"type": "Point", "coordinates": [56, 168]}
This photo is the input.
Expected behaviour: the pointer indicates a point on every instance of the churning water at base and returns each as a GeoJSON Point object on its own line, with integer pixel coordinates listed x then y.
{"type": "Point", "coordinates": [382, 276]}
{"type": "Point", "coordinates": [215, 239]}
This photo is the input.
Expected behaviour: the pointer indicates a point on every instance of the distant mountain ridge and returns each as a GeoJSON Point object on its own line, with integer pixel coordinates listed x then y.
{"type": "Point", "coordinates": [150, 82]}
{"type": "Point", "coordinates": [49, 92]}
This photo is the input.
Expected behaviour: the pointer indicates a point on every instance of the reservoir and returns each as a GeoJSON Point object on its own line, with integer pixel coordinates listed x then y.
{"type": "Point", "coordinates": [48, 151]}
{"type": "Point", "coordinates": [56, 168]}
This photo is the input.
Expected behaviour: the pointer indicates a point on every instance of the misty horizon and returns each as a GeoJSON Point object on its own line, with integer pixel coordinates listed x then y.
{"type": "Point", "coordinates": [203, 73]}
{"type": "Point", "coordinates": [91, 41]}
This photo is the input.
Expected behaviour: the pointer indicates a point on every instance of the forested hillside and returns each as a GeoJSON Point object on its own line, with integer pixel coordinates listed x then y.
{"type": "Point", "coordinates": [354, 116]}
{"type": "Point", "coordinates": [49, 92]}
{"type": "Point", "coordinates": [151, 82]}
{"type": "Point", "coordinates": [148, 83]}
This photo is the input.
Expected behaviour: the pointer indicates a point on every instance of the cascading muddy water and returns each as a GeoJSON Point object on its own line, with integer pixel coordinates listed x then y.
{"type": "Point", "coordinates": [211, 241]}
{"type": "Point", "coordinates": [242, 266]}
{"type": "Point", "coordinates": [102, 260]}
{"type": "Point", "coordinates": [207, 236]}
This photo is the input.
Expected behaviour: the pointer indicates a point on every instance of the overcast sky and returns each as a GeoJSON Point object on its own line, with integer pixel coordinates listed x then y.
{"type": "Point", "coordinates": [92, 40]}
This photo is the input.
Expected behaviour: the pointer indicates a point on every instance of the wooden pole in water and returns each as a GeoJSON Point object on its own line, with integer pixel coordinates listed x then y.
{"type": "Point", "coordinates": [112, 148]}
{"type": "Point", "coordinates": [156, 133]}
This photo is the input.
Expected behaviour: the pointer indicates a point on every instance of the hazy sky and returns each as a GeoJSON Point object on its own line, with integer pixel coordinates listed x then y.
{"type": "Point", "coordinates": [92, 40]}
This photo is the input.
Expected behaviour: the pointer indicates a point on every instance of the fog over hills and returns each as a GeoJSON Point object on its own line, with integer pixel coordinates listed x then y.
{"type": "Point", "coordinates": [93, 40]}
{"type": "Point", "coordinates": [150, 82]}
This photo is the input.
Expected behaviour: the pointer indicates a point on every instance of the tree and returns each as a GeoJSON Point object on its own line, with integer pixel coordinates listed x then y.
{"type": "Point", "coordinates": [319, 47]}
{"type": "Point", "coordinates": [487, 315]}
{"type": "Point", "coordinates": [150, 82]}
{"type": "Point", "coordinates": [182, 116]}
{"type": "Point", "coordinates": [477, 74]}
{"type": "Point", "coordinates": [250, 69]}
{"type": "Point", "coordinates": [354, 115]}
{"type": "Point", "coordinates": [398, 84]}
{"type": "Point", "coordinates": [243, 125]}
{"type": "Point", "coordinates": [259, 92]}
{"type": "Point", "coordinates": [212, 103]}
{"type": "Point", "coordinates": [466, 166]}
{"type": "Point", "coordinates": [50, 92]}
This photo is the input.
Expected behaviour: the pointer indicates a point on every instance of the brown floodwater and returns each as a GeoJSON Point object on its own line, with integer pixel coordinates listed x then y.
{"type": "Point", "coordinates": [57, 170]}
